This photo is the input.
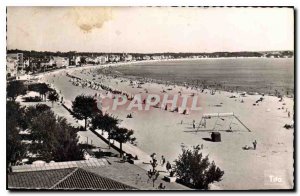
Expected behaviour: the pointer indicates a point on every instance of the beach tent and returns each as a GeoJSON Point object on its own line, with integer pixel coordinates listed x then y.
{"type": "Point", "coordinates": [222, 121]}
{"type": "Point", "coordinates": [215, 136]}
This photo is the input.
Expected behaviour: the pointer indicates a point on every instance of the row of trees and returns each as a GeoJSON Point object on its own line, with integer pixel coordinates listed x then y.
{"type": "Point", "coordinates": [45, 127]}
{"type": "Point", "coordinates": [52, 138]}
{"type": "Point", "coordinates": [85, 107]}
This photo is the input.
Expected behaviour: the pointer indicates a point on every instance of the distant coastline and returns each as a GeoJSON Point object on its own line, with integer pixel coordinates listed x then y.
{"type": "Point", "coordinates": [90, 66]}
{"type": "Point", "coordinates": [268, 54]}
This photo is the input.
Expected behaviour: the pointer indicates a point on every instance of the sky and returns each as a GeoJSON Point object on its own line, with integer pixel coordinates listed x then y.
{"type": "Point", "coordinates": [149, 29]}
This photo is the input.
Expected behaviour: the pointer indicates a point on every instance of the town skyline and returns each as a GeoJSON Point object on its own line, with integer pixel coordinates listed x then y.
{"type": "Point", "coordinates": [165, 29]}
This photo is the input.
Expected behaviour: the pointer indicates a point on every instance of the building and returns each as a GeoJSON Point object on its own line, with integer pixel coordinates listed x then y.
{"type": "Point", "coordinates": [15, 63]}
{"type": "Point", "coordinates": [128, 57]}
{"type": "Point", "coordinates": [11, 67]}
{"type": "Point", "coordinates": [155, 57]}
{"type": "Point", "coordinates": [102, 59]}
{"type": "Point", "coordinates": [74, 175]}
{"type": "Point", "coordinates": [90, 60]}
{"type": "Point", "coordinates": [60, 62]}
{"type": "Point", "coordinates": [107, 173]}
{"type": "Point", "coordinates": [78, 60]}
{"type": "Point", "coordinates": [146, 57]}
{"type": "Point", "coordinates": [26, 63]}
{"type": "Point", "coordinates": [114, 58]}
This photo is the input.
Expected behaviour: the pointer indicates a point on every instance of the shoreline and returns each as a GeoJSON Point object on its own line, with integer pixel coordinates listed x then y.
{"type": "Point", "coordinates": [162, 81]}
{"type": "Point", "coordinates": [287, 91]}
{"type": "Point", "coordinates": [151, 81]}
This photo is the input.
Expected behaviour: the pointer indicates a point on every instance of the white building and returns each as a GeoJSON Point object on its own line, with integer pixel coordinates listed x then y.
{"type": "Point", "coordinates": [128, 57]}
{"type": "Point", "coordinates": [114, 58]}
{"type": "Point", "coordinates": [15, 63]}
{"type": "Point", "coordinates": [11, 67]}
{"type": "Point", "coordinates": [60, 62]}
{"type": "Point", "coordinates": [102, 59]}
{"type": "Point", "coordinates": [146, 57]}
{"type": "Point", "coordinates": [156, 57]}
{"type": "Point", "coordinates": [77, 60]}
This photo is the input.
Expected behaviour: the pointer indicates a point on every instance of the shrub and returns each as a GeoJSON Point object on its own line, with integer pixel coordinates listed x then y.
{"type": "Point", "coordinates": [195, 170]}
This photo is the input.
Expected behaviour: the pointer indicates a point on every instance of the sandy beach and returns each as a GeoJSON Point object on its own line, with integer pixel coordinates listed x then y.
{"type": "Point", "coordinates": [166, 132]}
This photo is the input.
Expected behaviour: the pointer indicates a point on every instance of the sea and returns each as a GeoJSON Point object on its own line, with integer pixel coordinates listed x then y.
{"type": "Point", "coordinates": [262, 75]}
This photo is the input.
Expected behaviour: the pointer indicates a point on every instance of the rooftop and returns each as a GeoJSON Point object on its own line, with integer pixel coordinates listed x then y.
{"type": "Point", "coordinates": [60, 165]}
{"type": "Point", "coordinates": [92, 174]}
{"type": "Point", "coordinates": [66, 179]}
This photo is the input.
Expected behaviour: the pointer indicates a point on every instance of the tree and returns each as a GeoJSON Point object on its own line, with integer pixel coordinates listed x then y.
{"type": "Point", "coordinates": [43, 128]}
{"type": "Point", "coordinates": [41, 88]}
{"type": "Point", "coordinates": [33, 111]}
{"type": "Point", "coordinates": [15, 88]}
{"type": "Point", "coordinates": [84, 107]}
{"type": "Point", "coordinates": [121, 135]}
{"type": "Point", "coordinates": [67, 140]}
{"type": "Point", "coordinates": [53, 97]}
{"type": "Point", "coordinates": [15, 150]}
{"type": "Point", "coordinates": [105, 123]}
{"type": "Point", "coordinates": [154, 173]}
{"type": "Point", "coordinates": [82, 60]}
{"type": "Point", "coordinates": [195, 170]}
{"type": "Point", "coordinates": [53, 138]}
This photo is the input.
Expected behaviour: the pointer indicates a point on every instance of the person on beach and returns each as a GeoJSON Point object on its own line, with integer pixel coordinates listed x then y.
{"type": "Point", "coordinates": [163, 160]}
{"type": "Point", "coordinates": [161, 186]}
{"type": "Point", "coordinates": [246, 147]}
{"type": "Point", "coordinates": [254, 144]}
{"type": "Point", "coordinates": [289, 114]}
{"type": "Point", "coordinates": [172, 172]}
{"type": "Point", "coordinates": [153, 156]}
{"type": "Point", "coordinates": [154, 160]}
{"type": "Point", "coordinates": [168, 166]}
{"type": "Point", "coordinates": [194, 126]}
{"type": "Point", "coordinates": [124, 157]}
